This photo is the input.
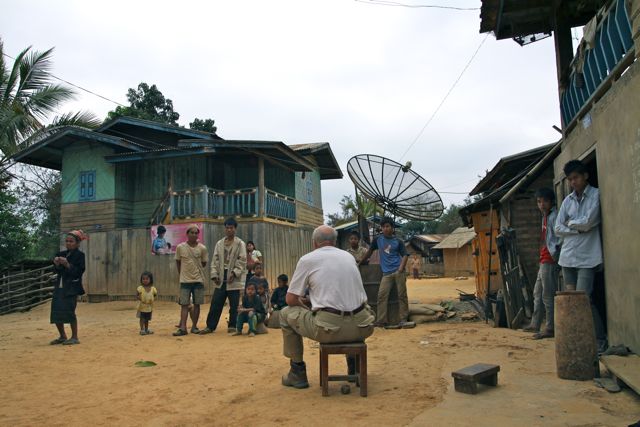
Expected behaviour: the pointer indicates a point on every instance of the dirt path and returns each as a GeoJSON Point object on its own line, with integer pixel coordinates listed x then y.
{"type": "Point", "coordinates": [223, 380]}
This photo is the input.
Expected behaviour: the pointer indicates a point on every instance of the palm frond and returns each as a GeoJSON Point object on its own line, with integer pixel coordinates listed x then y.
{"type": "Point", "coordinates": [84, 119]}
{"type": "Point", "coordinates": [8, 96]}
{"type": "Point", "coordinates": [35, 71]}
{"type": "Point", "coordinates": [44, 100]}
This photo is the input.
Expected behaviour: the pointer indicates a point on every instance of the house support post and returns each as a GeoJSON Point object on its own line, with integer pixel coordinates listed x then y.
{"type": "Point", "coordinates": [563, 46]}
{"type": "Point", "coordinates": [261, 188]}
{"type": "Point", "coordinates": [634, 15]}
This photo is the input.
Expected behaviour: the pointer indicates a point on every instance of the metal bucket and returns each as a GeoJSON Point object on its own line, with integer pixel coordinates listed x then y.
{"type": "Point", "coordinates": [576, 349]}
{"type": "Point", "coordinates": [371, 277]}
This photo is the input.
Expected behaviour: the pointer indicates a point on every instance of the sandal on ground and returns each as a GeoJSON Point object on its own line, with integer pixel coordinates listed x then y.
{"type": "Point", "coordinates": [143, 332]}
{"type": "Point", "coordinates": [71, 341]}
{"type": "Point", "coordinates": [236, 333]}
{"type": "Point", "coordinates": [195, 330]}
{"type": "Point", "coordinates": [252, 334]}
{"type": "Point", "coordinates": [206, 331]}
{"type": "Point", "coordinates": [530, 329]}
{"type": "Point", "coordinates": [392, 327]}
{"type": "Point", "coordinates": [180, 333]}
{"type": "Point", "coordinates": [57, 341]}
{"type": "Point", "coordinates": [149, 331]}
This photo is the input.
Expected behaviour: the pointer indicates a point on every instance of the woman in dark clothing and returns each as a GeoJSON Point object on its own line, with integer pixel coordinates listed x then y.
{"type": "Point", "coordinates": [69, 265]}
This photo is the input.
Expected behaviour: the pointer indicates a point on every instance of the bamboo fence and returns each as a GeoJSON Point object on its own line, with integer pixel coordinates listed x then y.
{"type": "Point", "coordinates": [27, 289]}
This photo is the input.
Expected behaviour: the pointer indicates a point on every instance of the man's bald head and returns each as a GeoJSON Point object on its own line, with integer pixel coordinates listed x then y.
{"type": "Point", "coordinates": [324, 236]}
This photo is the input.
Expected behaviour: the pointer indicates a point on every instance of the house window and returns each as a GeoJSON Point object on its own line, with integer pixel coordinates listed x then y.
{"type": "Point", "coordinates": [87, 185]}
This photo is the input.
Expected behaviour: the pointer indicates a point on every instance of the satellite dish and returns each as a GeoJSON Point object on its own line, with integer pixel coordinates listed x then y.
{"type": "Point", "coordinates": [394, 187]}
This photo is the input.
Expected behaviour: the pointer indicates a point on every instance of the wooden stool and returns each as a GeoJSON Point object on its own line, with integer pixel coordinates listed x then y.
{"type": "Point", "coordinates": [466, 379]}
{"type": "Point", "coordinates": [359, 350]}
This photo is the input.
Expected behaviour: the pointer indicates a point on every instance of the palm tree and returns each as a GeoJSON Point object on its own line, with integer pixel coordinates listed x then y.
{"type": "Point", "coordinates": [28, 97]}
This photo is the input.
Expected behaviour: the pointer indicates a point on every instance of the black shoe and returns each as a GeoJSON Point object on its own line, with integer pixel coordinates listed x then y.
{"type": "Point", "coordinates": [297, 376]}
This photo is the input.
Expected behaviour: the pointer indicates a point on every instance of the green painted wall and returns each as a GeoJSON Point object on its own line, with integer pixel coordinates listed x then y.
{"type": "Point", "coordinates": [280, 180]}
{"type": "Point", "coordinates": [85, 156]}
{"type": "Point", "coordinates": [308, 189]}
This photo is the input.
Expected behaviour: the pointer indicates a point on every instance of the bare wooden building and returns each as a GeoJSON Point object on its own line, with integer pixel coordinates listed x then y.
{"type": "Point", "coordinates": [457, 252]}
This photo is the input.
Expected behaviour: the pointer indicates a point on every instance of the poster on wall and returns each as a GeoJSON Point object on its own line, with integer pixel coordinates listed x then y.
{"type": "Point", "coordinates": [165, 238]}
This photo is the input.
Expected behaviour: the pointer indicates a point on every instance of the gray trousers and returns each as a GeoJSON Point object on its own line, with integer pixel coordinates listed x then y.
{"type": "Point", "coordinates": [582, 279]}
{"type": "Point", "coordinates": [388, 280]}
{"type": "Point", "coordinates": [297, 322]}
{"type": "Point", "coordinates": [543, 293]}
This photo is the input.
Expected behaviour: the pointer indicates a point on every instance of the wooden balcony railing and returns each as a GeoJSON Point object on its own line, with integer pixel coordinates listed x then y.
{"type": "Point", "coordinates": [608, 58]}
{"type": "Point", "coordinates": [204, 202]}
{"type": "Point", "coordinates": [280, 206]}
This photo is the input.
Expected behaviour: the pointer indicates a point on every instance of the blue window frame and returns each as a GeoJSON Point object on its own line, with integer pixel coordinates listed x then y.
{"type": "Point", "coordinates": [87, 185]}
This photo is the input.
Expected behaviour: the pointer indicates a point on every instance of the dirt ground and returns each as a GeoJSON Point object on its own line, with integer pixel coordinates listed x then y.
{"type": "Point", "coordinates": [222, 380]}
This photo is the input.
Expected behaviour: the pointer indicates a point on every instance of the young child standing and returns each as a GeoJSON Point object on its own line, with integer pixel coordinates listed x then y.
{"type": "Point", "coordinates": [250, 311]}
{"type": "Point", "coordinates": [147, 294]}
{"type": "Point", "coordinates": [258, 277]}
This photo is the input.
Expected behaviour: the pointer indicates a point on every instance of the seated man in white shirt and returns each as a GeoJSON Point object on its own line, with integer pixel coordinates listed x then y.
{"type": "Point", "coordinates": [339, 312]}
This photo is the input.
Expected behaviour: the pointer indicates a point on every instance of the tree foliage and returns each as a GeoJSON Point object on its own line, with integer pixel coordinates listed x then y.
{"type": "Point", "coordinates": [206, 125]}
{"type": "Point", "coordinates": [148, 103]}
{"type": "Point", "coordinates": [349, 209]}
{"type": "Point", "coordinates": [28, 97]}
{"type": "Point", "coordinates": [15, 223]}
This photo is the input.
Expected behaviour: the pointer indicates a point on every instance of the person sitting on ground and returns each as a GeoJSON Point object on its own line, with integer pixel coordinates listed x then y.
{"type": "Point", "coordinates": [251, 311]}
{"type": "Point", "coordinates": [146, 295]}
{"type": "Point", "coordinates": [191, 258]}
{"type": "Point", "coordinates": [393, 260]}
{"type": "Point", "coordinates": [258, 277]}
{"type": "Point", "coordinates": [69, 265]}
{"type": "Point", "coordinates": [578, 224]}
{"type": "Point", "coordinates": [544, 289]}
{"type": "Point", "coordinates": [279, 296]}
{"type": "Point", "coordinates": [339, 312]}
{"type": "Point", "coordinates": [354, 248]}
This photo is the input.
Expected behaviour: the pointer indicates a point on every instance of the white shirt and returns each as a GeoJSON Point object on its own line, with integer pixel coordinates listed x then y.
{"type": "Point", "coordinates": [578, 224]}
{"type": "Point", "coordinates": [332, 278]}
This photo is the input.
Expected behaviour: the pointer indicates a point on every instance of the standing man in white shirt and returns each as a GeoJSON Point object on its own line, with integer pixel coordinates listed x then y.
{"type": "Point", "coordinates": [578, 223]}
{"type": "Point", "coordinates": [339, 312]}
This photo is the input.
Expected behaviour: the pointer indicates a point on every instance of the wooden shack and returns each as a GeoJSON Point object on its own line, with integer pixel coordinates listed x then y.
{"type": "Point", "coordinates": [507, 201]}
{"type": "Point", "coordinates": [457, 252]}
{"type": "Point", "coordinates": [131, 174]}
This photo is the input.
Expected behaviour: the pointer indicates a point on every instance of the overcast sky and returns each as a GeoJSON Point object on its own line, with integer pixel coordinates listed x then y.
{"type": "Point", "coordinates": [365, 78]}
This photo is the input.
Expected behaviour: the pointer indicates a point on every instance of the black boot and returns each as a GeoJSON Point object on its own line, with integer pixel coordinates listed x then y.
{"type": "Point", "coordinates": [297, 376]}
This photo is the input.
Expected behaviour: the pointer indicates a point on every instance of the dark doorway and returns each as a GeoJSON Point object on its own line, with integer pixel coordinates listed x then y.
{"type": "Point", "coordinates": [599, 297]}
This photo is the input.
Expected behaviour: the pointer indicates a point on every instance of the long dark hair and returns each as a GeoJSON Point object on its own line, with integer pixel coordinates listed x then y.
{"type": "Point", "coordinates": [147, 274]}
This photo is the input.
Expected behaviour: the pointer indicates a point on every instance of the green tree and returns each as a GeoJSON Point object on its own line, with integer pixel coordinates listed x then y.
{"type": "Point", "coordinates": [148, 103]}
{"type": "Point", "coordinates": [450, 219]}
{"type": "Point", "coordinates": [15, 224]}
{"type": "Point", "coordinates": [28, 97]}
{"type": "Point", "coordinates": [206, 125]}
{"type": "Point", "coordinates": [350, 207]}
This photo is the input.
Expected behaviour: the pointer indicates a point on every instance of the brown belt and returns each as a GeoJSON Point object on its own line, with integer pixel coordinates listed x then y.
{"type": "Point", "coordinates": [343, 313]}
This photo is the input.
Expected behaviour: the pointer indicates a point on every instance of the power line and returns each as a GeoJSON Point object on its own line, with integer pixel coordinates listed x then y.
{"type": "Point", "coordinates": [76, 86]}
{"type": "Point", "coordinates": [414, 6]}
{"type": "Point", "coordinates": [455, 83]}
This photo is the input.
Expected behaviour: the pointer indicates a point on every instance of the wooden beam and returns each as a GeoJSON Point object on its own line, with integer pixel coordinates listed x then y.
{"type": "Point", "coordinates": [261, 187]}
{"type": "Point", "coordinates": [563, 44]}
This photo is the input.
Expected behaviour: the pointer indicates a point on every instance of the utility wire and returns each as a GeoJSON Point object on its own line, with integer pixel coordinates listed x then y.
{"type": "Point", "coordinates": [76, 86]}
{"type": "Point", "coordinates": [455, 83]}
{"type": "Point", "coordinates": [414, 6]}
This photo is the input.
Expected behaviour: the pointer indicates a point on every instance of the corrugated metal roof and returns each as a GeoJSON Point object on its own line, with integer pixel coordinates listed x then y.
{"type": "Point", "coordinates": [457, 239]}
{"type": "Point", "coordinates": [431, 238]}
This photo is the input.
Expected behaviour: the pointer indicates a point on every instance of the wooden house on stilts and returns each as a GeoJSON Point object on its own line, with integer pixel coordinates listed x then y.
{"type": "Point", "coordinates": [129, 175]}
